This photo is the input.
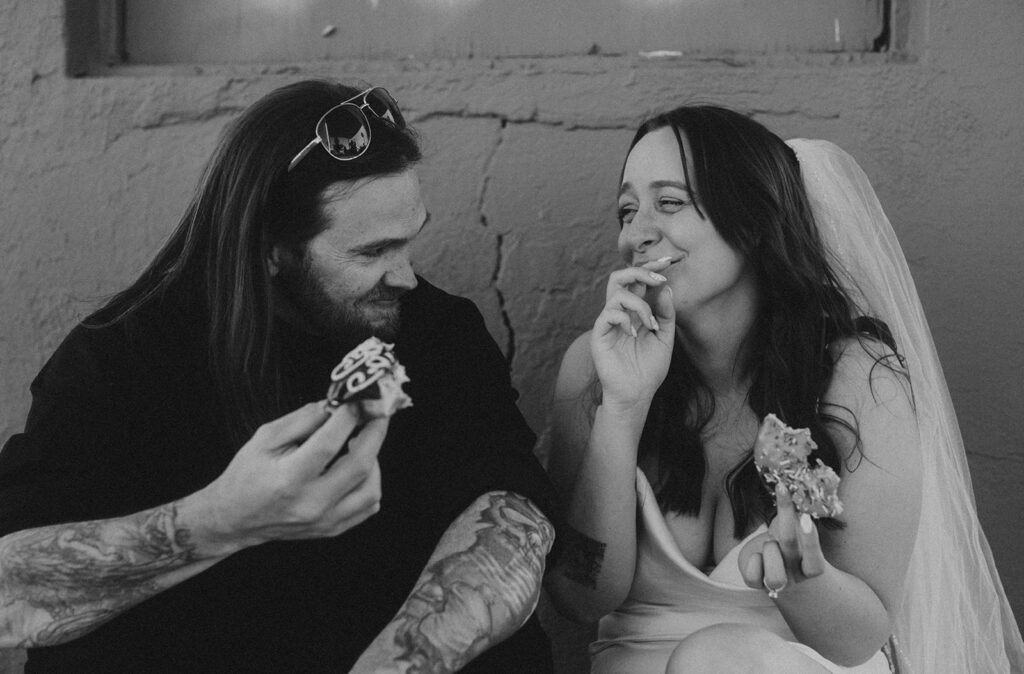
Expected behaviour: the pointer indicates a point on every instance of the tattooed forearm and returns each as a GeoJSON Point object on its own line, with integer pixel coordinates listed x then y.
{"type": "Point", "coordinates": [481, 585]}
{"type": "Point", "coordinates": [472, 598]}
{"type": "Point", "coordinates": [581, 558]}
{"type": "Point", "coordinates": [62, 581]}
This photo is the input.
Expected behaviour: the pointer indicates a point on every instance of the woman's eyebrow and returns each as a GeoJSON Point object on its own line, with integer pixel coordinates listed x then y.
{"type": "Point", "coordinates": [657, 184]}
{"type": "Point", "coordinates": [670, 183]}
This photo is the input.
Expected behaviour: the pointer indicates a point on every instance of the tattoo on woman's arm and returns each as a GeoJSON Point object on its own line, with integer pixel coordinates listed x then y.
{"type": "Point", "coordinates": [582, 558]}
{"type": "Point", "coordinates": [84, 574]}
{"type": "Point", "coordinates": [468, 600]}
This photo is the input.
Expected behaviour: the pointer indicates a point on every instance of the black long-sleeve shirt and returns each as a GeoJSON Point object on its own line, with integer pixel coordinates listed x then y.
{"type": "Point", "coordinates": [125, 418]}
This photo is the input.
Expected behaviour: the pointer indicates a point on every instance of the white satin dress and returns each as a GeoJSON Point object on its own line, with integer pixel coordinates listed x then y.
{"type": "Point", "coordinates": [670, 598]}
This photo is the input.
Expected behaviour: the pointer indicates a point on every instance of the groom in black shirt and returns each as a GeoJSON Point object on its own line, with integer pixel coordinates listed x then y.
{"type": "Point", "coordinates": [137, 536]}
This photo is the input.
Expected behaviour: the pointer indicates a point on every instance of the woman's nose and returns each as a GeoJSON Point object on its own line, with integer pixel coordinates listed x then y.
{"type": "Point", "coordinates": [639, 234]}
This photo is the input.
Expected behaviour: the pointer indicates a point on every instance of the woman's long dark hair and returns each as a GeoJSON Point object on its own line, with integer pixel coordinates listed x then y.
{"type": "Point", "coordinates": [748, 185]}
{"type": "Point", "coordinates": [216, 260]}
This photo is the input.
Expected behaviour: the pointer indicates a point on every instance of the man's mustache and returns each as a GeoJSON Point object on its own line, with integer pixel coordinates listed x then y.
{"type": "Point", "coordinates": [383, 293]}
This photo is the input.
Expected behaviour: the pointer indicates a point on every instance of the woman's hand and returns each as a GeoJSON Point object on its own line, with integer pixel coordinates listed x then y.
{"type": "Point", "coordinates": [632, 338]}
{"type": "Point", "coordinates": [787, 554]}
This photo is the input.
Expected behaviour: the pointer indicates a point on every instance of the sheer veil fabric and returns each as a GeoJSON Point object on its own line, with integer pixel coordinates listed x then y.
{"type": "Point", "coordinates": [954, 616]}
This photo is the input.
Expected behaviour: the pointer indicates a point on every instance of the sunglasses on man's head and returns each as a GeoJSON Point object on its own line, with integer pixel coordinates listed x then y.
{"type": "Point", "coordinates": [344, 130]}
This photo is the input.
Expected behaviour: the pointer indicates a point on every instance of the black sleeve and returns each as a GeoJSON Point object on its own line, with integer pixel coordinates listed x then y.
{"type": "Point", "coordinates": [467, 402]}
{"type": "Point", "coordinates": [511, 463]}
{"type": "Point", "coordinates": [70, 463]}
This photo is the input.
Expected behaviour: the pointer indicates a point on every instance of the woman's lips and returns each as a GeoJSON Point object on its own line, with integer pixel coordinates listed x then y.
{"type": "Point", "coordinates": [671, 260]}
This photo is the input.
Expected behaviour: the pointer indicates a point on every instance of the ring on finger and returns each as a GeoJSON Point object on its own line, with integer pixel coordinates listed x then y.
{"type": "Point", "coordinates": [773, 592]}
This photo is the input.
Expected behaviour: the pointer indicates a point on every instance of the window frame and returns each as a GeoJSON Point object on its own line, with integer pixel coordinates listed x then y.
{"type": "Point", "coordinates": [96, 45]}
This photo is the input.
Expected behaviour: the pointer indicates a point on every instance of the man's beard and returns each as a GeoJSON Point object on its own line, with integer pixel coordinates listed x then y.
{"type": "Point", "coordinates": [347, 321]}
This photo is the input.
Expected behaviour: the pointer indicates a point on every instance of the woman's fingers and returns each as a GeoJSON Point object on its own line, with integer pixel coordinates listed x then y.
{"type": "Point", "coordinates": [664, 307]}
{"type": "Point", "coordinates": [637, 306]}
{"type": "Point", "coordinates": [812, 560]}
{"type": "Point", "coordinates": [626, 291]}
{"type": "Point", "coordinates": [753, 572]}
{"type": "Point", "coordinates": [797, 537]}
{"type": "Point", "coordinates": [634, 280]}
{"type": "Point", "coordinates": [614, 318]}
{"type": "Point", "coordinates": [783, 527]}
{"type": "Point", "coordinates": [775, 576]}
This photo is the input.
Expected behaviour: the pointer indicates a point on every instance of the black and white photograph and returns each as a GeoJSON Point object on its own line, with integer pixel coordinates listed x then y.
{"type": "Point", "coordinates": [533, 337]}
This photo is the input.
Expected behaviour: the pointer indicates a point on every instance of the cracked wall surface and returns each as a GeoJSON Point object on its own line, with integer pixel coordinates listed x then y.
{"type": "Point", "coordinates": [522, 157]}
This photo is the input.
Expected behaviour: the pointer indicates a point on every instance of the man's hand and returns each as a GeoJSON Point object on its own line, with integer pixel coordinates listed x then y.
{"type": "Point", "coordinates": [288, 482]}
{"type": "Point", "coordinates": [62, 581]}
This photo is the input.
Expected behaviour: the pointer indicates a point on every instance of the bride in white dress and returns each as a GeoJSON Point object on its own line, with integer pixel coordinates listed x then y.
{"type": "Point", "coordinates": [763, 277]}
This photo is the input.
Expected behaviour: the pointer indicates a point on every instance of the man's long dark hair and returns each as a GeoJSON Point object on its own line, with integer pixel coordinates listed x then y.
{"type": "Point", "coordinates": [215, 261]}
{"type": "Point", "coordinates": [748, 185]}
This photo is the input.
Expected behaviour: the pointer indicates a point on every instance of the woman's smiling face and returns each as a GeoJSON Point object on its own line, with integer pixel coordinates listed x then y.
{"type": "Point", "coordinates": [659, 219]}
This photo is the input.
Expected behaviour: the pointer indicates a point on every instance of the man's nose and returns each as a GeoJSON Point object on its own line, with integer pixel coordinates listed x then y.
{"type": "Point", "coordinates": [401, 276]}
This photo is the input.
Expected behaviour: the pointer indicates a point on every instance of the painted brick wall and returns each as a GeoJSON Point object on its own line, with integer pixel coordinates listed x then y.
{"type": "Point", "coordinates": [523, 155]}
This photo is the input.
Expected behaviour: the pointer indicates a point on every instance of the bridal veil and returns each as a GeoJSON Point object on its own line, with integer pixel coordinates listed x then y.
{"type": "Point", "coordinates": [954, 616]}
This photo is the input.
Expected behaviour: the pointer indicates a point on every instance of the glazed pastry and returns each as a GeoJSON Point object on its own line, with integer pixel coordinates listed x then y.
{"type": "Point", "coordinates": [371, 376]}
{"type": "Point", "coordinates": [781, 455]}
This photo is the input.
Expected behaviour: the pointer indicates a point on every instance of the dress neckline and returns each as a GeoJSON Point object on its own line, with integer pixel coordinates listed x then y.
{"type": "Point", "coordinates": [724, 575]}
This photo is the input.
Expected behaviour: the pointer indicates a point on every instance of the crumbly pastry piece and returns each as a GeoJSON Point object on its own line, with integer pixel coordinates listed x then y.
{"type": "Point", "coordinates": [371, 375]}
{"type": "Point", "coordinates": [781, 455]}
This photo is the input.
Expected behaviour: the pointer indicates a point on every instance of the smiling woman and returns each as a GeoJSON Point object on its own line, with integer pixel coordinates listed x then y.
{"type": "Point", "coordinates": [662, 218]}
{"type": "Point", "coordinates": [762, 277]}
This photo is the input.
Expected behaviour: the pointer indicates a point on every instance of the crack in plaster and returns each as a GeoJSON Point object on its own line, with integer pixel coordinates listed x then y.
{"type": "Point", "coordinates": [175, 118]}
{"type": "Point", "coordinates": [506, 320]}
{"type": "Point", "coordinates": [806, 114]}
{"type": "Point", "coordinates": [37, 75]}
{"type": "Point", "coordinates": [499, 262]}
{"type": "Point", "coordinates": [486, 173]}
{"type": "Point", "coordinates": [532, 119]}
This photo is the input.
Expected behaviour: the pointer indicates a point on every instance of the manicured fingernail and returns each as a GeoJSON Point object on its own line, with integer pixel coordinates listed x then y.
{"type": "Point", "coordinates": [657, 277]}
{"type": "Point", "coordinates": [654, 324]}
{"type": "Point", "coordinates": [806, 525]}
{"type": "Point", "coordinates": [664, 259]}
{"type": "Point", "coordinates": [632, 330]}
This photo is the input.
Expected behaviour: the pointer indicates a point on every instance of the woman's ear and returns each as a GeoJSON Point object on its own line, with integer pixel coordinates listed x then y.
{"type": "Point", "coordinates": [275, 259]}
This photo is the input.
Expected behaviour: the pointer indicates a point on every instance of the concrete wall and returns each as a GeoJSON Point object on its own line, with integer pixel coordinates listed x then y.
{"type": "Point", "coordinates": [523, 160]}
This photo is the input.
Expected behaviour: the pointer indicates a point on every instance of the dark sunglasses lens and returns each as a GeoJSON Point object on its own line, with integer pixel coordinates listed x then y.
{"type": "Point", "coordinates": [344, 132]}
{"type": "Point", "coordinates": [381, 104]}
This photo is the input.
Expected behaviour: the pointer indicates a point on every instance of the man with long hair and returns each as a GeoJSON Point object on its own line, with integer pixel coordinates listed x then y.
{"type": "Point", "coordinates": [136, 536]}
